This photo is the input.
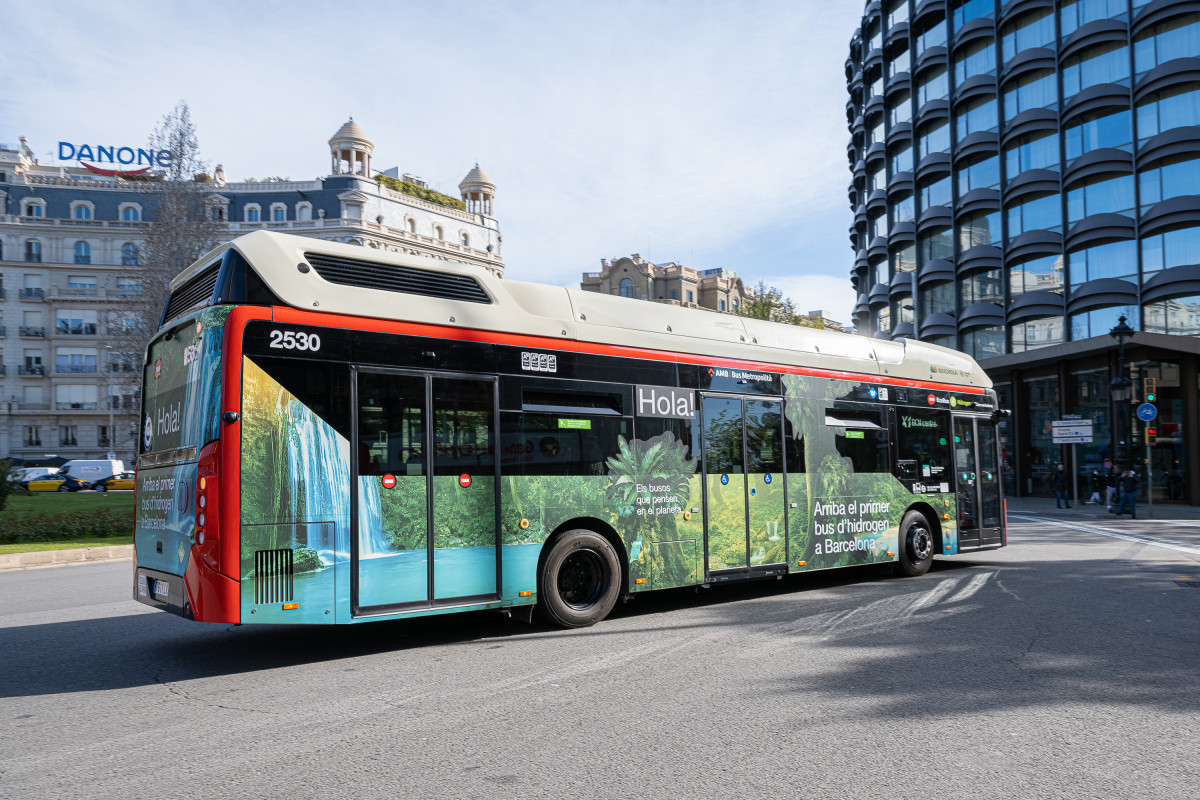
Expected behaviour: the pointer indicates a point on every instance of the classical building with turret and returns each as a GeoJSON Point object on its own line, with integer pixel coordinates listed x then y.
{"type": "Point", "coordinates": [718, 289]}
{"type": "Point", "coordinates": [71, 236]}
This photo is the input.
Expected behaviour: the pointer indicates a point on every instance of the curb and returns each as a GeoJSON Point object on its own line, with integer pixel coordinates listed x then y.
{"type": "Point", "coordinates": [51, 558]}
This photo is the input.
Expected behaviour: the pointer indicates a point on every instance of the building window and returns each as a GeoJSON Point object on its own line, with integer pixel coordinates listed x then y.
{"type": "Point", "coordinates": [904, 259]}
{"type": "Point", "coordinates": [218, 214]}
{"type": "Point", "coordinates": [901, 158]}
{"type": "Point", "coordinates": [936, 192]}
{"type": "Point", "coordinates": [979, 229]}
{"type": "Point", "coordinates": [75, 397]}
{"type": "Point", "coordinates": [1169, 178]}
{"type": "Point", "coordinates": [967, 10]}
{"type": "Point", "coordinates": [1032, 151]}
{"type": "Point", "coordinates": [1099, 321]}
{"type": "Point", "coordinates": [1038, 332]}
{"type": "Point", "coordinates": [1035, 90]}
{"type": "Point", "coordinates": [83, 253]}
{"type": "Point", "coordinates": [33, 251]}
{"type": "Point", "coordinates": [979, 58]}
{"type": "Point", "coordinates": [102, 436]}
{"type": "Point", "coordinates": [129, 255]}
{"type": "Point", "coordinates": [1044, 274]}
{"type": "Point", "coordinates": [882, 319]}
{"type": "Point", "coordinates": [1171, 108]}
{"type": "Point", "coordinates": [70, 322]}
{"type": "Point", "coordinates": [902, 309]}
{"type": "Point", "coordinates": [437, 232]}
{"type": "Point", "coordinates": [1174, 248]}
{"type": "Point", "coordinates": [875, 130]}
{"type": "Point", "coordinates": [127, 287]}
{"type": "Point", "coordinates": [877, 177]}
{"type": "Point", "coordinates": [690, 296]}
{"type": "Point", "coordinates": [936, 244]}
{"type": "Point", "coordinates": [304, 211]}
{"type": "Point", "coordinates": [68, 435]}
{"type": "Point", "coordinates": [933, 138]}
{"type": "Point", "coordinates": [1178, 315]}
{"type": "Point", "coordinates": [898, 63]}
{"type": "Point", "coordinates": [626, 287]}
{"type": "Point", "coordinates": [1175, 38]}
{"type": "Point", "coordinates": [32, 435]}
{"type": "Point", "coordinates": [982, 174]}
{"type": "Point", "coordinates": [1104, 63]}
{"type": "Point", "coordinates": [82, 212]}
{"type": "Point", "coordinates": [937, 299]}
{"type": "Point", "coordinates": [933, 85]}
{"type": "Point", "coordinates": [721, 305]}
{"type": "Point", "coordinates": [983, 287]}
{"type": "Point", "coordinates": [410, 225]}
{"type": "Point", "coordinates": [84, 285]}
{"type": "Point", "coordinates": [976, 115]}
{"type": "Point", "coordinates": [1035, 29]}
{"type": "Point", "coordinates": [465, 240]}
{"type": "Point", "coordinates": [985, 341]}
{"type": "Point", "coordinates": [897, 12]}
{"type": "Point", "coordinates": [933, 35]}
{"type": "Point", "coordinates": [1080, 12]}
{"type": "Point", "coordinates": [34, 208]}
{"type": "Point", "coordinates": [903, 208]}
{"type": "Point", "coordinates": [1098, 130]}
{"type": "Point", "coordinates": [1041, 213]}
{"type": "Point", "coordinates": [900, 109]}
{"type": "Point", "coordinates": [1102, 194]}
{"type": "Point", "coordinates": [131, 213]}
{"type": "Point", "coordinates": [75, 360]}
{"type": "Point", "coordinates": [1110, 260]}
{"type": "Point", "coordinates": [278, 212]}
{"type": "Point", "coordinates": [252, 212]}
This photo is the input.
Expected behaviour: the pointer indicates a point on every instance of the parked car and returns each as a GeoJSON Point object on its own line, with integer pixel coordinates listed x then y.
{"type": "Point", "coordinates": [122, 480]}
{"type": "Point", "coordinates": [22, 474]}
{"type": "Point", "coordinates": [56, 483]}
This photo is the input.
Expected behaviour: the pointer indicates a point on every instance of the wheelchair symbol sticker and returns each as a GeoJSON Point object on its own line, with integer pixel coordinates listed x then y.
{"type": "Point", "coordinates": [724, 479]}
{"type": "Point", "coordinates": [767, 478]}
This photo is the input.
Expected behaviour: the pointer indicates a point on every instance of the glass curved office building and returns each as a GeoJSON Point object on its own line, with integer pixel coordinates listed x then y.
{"type": "Point", "coordinates": [1025, 172]}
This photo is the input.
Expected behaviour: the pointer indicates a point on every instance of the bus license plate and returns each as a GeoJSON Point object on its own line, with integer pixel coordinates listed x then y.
{"type": "Point", "coordinates": [162, 589]}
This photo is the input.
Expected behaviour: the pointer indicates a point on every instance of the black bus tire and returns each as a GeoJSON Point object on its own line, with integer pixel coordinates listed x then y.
{"type": "Point", "coordinates": [916, 544]}
{"type": "Point", "coordinates": [580, 580]}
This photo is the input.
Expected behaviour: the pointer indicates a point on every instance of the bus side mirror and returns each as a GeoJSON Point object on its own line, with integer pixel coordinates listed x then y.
{"type": "Point", "coordinates": [231, 417]}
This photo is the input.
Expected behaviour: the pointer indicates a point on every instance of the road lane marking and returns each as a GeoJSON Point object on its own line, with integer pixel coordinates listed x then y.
{"type": "Point", "coordinates": [1140, 539]}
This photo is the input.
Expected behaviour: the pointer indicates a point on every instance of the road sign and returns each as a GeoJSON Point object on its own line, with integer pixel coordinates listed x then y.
{"type": "Point", "coordinates": [1147, 412]}
{"type": "Point", "coordinates": [1071, 431]}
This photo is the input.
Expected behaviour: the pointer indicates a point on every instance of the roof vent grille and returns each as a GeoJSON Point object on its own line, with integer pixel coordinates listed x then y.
{"type": "Point", "coordinates": [392, 278]}
{"type": "Point", "coordinates": [195, 293]}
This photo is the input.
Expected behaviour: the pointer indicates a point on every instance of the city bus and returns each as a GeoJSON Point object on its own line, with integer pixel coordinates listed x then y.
{"type": "Point", "coordinates": [335, 434]}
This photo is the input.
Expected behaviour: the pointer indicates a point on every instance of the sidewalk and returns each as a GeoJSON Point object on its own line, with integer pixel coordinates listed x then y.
{"type": "Point", "coordinates": [52, 558]}
{"type": "Point", "coordinates": [1044, 506]}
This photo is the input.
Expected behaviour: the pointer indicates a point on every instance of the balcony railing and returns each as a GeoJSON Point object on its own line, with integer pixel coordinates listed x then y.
{"type": "Point", "coordinates": [33, 294]}
{"type": "Point", "coordinates": [76, 406]}
{"type": "Point", "coordinates": [37, 369]}
{"type": "Point", "coordinates": [35, 406]}
{"type": "Point", "coordinates": [76, 369]}
{"type": "Point", "coordinates": [31, 331]}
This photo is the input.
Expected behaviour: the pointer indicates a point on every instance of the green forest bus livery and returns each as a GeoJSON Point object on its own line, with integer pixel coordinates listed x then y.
{"type": "Point", "coordinates": [333, 434]}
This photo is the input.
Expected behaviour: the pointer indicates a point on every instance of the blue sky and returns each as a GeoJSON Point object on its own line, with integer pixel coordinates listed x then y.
{"type": "Point", "coordinates": [710, 134]}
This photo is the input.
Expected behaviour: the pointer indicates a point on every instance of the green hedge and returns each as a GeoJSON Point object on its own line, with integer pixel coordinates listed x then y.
{"type": "Point", "coordinates": [421, 192]}
{"type": "Point", "coordinates": [51, 527]}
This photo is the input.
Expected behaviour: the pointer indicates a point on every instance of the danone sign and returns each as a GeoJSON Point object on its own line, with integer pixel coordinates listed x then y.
{"type": "Point", "coordinates": [91, 156]}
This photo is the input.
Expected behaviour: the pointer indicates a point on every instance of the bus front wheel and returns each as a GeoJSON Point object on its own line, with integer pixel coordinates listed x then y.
{"type": "Point", "coordinates": [580, 580]}
{"type": "Point", "coordinates": [916, 544]}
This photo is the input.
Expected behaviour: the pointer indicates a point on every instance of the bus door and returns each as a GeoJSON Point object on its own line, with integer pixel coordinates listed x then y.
{"type": "Point", "coordinates": [977, 478]}
{"type": "Point", "coordinates": [745, 508]}
{"type": "Point", "coordinates": [424, 505]}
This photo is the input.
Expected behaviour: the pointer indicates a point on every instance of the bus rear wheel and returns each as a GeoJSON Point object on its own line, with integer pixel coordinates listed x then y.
{"type": "Point", "coordinates": [580, 580]}
{"type": "Point", "coordinates": [916, 544]}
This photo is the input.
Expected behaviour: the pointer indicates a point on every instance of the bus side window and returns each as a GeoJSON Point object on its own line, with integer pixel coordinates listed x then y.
{"type": "Point", "coordinates": [861, 437]}
{"type": "Point", "coordinates": [922, 445]}
{"type": "Point", "coordinates": [793, 447]}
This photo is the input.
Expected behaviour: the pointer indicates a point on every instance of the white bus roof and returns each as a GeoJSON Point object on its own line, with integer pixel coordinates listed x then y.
{"type": "Point", "coordinates": [560, 313]}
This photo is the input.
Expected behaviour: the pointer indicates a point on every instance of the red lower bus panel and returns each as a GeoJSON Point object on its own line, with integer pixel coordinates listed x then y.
{"type": "Point", "coordinates": [214, 597]}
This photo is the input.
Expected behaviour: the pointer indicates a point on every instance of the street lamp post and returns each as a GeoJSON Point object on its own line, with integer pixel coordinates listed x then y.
{"type": "Point", "coordinates": [1121, 390]}
{"type": "Point", "coordinates": [111, 432]}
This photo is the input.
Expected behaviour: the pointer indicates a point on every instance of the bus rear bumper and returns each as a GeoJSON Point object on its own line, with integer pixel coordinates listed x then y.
{"type": "Point", "coordinates": [219, 595]}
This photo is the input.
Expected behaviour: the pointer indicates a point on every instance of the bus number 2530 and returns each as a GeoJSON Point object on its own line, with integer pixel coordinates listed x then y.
{"type": "Point", "coordinates": [295, 340]}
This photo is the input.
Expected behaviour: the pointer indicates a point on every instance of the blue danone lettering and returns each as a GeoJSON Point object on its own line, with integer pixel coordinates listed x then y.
{"type": "Point", "coordinates": [111, 154]}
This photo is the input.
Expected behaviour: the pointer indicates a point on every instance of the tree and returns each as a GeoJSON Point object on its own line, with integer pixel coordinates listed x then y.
{"type": "Point", "coordinates": [767, 302]}
{"type": "Point", "coordinates": [180, 229]}
{"type": "Point", "coordinates": [6, 482]}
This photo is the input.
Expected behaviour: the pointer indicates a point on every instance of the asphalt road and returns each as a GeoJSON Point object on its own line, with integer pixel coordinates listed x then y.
{"type": "Point", "coordinates": [1063, 666]}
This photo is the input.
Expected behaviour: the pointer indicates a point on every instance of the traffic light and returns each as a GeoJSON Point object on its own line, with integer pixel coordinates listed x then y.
{"type": "Point", "coordinates": [1151, 435]}
{"type": "Point", "coordinates": [1149, 389]}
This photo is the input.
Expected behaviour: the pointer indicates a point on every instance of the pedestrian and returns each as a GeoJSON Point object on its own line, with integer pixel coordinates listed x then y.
{"type": "Point", "coordinates": [1096, 484]}
{"type": "Point", "coordinates": [1113, 478]}
{"type": "Point", "coordinates": [1129, 493]}
{"type": "Point", "coordinates": [1058, 482]}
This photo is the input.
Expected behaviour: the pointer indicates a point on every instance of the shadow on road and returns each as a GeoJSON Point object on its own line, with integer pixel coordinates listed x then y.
{"type": "Point", "coordinates": [1032, 631]}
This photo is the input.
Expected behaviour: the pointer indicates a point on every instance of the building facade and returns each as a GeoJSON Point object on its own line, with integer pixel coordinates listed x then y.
{"type": "Point", "coordinates": [70, 241]}
{"type": "Point", "coordinates": [1025, 173]}
{"type": "Point", "coordinates": [717, 289]}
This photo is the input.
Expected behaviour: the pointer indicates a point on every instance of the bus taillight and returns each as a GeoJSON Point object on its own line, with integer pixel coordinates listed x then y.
{"type": "Point", "coordinates": [207, 534]}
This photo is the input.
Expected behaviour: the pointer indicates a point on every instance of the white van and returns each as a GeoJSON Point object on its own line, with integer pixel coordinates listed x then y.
{"type": "Point", "coordinates": [22, 474]}
{"type": "Point", "coordinates": [92, 471]}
